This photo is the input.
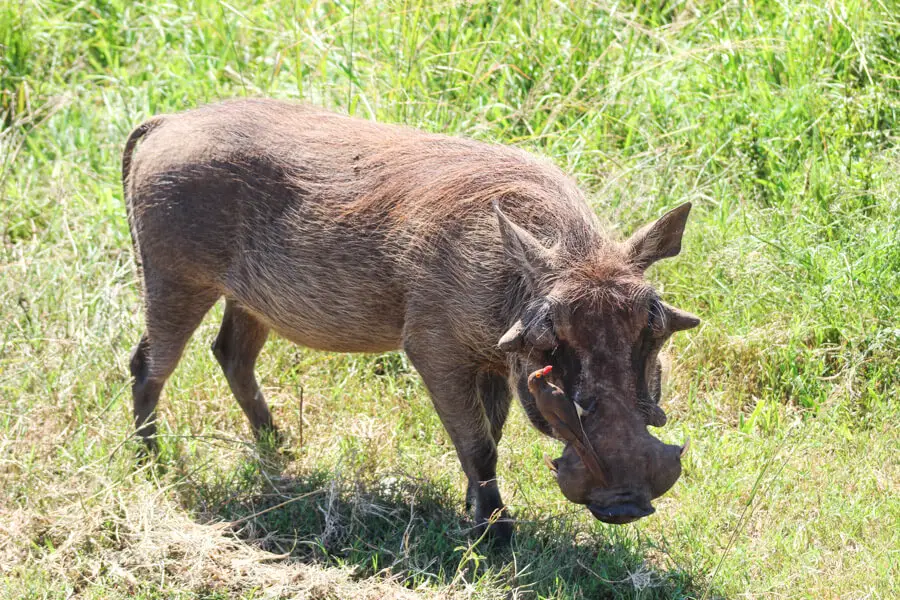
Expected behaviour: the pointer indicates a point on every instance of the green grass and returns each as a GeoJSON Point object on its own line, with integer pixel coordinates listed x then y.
{"type": "Point", "coordinates": [778, 120]}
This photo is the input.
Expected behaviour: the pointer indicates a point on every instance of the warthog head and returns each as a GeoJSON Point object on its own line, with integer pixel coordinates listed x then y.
{"type": "Point", "coordinates": [592, 318]}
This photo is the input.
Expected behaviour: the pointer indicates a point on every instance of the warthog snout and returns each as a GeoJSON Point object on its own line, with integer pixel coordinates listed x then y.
{"type": "Point", "coordinates": [613, 466]}
{"type": "Point", "coordinates": [622, 513]}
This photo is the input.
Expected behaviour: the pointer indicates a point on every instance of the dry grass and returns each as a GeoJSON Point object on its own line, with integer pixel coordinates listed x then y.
{"type": "Point", "coordinates": [143, 543]}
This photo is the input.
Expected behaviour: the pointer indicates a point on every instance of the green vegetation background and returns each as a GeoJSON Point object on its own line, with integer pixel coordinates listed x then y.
{"type": "Point", "coordinates": [778, 120]}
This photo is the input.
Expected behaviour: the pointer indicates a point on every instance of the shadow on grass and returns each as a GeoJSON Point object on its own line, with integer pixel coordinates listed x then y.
{"type": "Point", "coordinates": [413, 530]}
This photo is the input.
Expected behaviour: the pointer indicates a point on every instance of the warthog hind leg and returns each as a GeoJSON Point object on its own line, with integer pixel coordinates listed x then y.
{"type": "Point", "coordinates": [237, 346]}
{"type": "Point", "coordinates": [173, 312]}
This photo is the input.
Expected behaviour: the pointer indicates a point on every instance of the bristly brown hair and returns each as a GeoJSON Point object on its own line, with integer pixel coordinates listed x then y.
{"type": "Point", "coordinates": [422, 184]}
{"type": "Point", "coordinates": [601, 279]}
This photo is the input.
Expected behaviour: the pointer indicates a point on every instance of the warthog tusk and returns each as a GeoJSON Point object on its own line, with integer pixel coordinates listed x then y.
{"type": "Point", "coordinates": [550, 465]}
{"type": "Point", "coordinates": [685, 447]}
{"type": "Point", "coordinates": [581, 411]}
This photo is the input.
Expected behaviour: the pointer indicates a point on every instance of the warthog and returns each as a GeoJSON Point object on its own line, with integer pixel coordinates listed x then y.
{"type": "Point", "coordinates": [482, 262]}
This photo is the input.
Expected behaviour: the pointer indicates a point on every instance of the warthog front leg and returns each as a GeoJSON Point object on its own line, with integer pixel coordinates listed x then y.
{"type": "Point", "coordinates": [493, 392]}
{"type": "Point", "coordinates": [453, 384]}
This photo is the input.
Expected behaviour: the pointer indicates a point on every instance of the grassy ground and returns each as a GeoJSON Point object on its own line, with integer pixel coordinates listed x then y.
{"type": "Point", "coordinates": [778, 120]}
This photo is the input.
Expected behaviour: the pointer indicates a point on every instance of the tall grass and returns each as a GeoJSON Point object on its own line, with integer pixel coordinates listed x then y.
{"type": "Point", "coordinates": [778, 120]}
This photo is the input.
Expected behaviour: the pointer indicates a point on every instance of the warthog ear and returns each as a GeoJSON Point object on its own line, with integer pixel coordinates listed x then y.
{"type": "Point", "coordinates": [658, 240]}
{"type": "Point", "coordinates": [679, 320]}
{"type": "Point", "coordinates": [533, 259]}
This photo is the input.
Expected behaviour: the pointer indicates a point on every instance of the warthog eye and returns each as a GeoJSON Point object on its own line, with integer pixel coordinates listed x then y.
{"type": "Point", "coordinates": [656, 316]}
